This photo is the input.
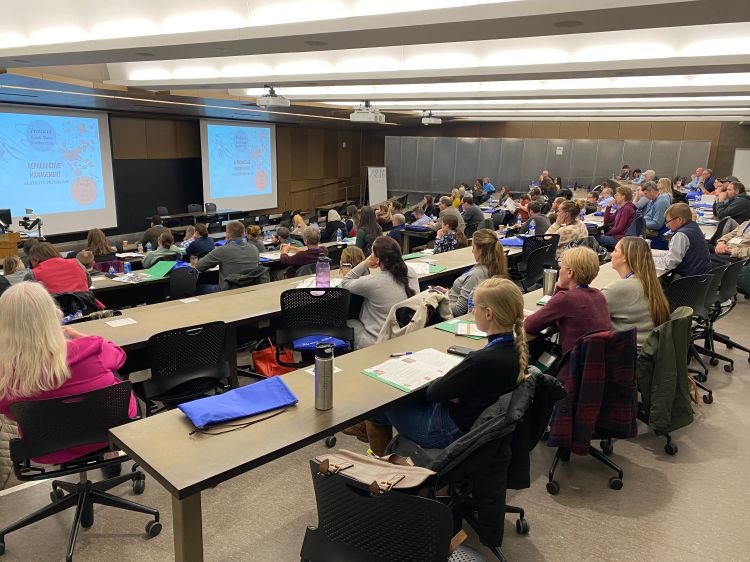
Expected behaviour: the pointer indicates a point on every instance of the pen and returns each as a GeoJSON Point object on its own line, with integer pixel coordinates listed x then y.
{"type": "Point", "coordinates": [401, 354]}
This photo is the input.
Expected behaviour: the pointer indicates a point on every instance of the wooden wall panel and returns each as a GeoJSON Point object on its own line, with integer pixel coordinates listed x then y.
{"type": "Point", "coordinates": [604, 130]}
{"type": "Point", "coordinates": [283, 154]}
{"type": "Point", "coordinates": [161, 139]}
{"type": "Point", "coordinates": [128, 138]}
{"type": "Point", "coordinates": [330, 153]}
{"type": "Point", "coordinates": [299, 164]}
{"type": "Point", "coordinates": [574, 130]}
{"type": "Point", "coordinates": [188, 139]}
{"type": "Point", "coordinates": [545, 129]}
{"type": "Point", "coordinates": [635, 130]}
{"type": "Point", "coordinates": [315, 152]}
{"type": "Point", "coordinates": [517, 129]}
{"type": "Point", "coordinates": [667, 130]}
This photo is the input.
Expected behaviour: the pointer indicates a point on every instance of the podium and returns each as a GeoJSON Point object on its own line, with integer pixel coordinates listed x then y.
{"type": "Point", "coordinates": [9, 244]}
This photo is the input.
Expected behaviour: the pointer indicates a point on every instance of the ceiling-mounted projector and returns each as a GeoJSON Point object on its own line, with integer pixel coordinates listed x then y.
{"type": "Point", "coordinates": [271, 99]}
{"type": "Point", "coordinates": [428, 119]}
{"type": "Point", "coordinates": [367, 114]}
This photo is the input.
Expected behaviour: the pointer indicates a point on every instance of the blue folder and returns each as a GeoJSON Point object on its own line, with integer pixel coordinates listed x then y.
{"type": "Point", "coordinates": [263, 396]}
{"type": "Point", "coordinates": [512, 242]}
{"type": "Point", "coordinates": [417, 228]}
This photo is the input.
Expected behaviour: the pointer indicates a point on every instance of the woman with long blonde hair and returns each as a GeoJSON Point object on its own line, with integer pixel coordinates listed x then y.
{"type": "Point", "coordinates": [39, 359]}
{"type": "Point", "coordinates": [664, 185]}
{"type": "Point", "coordinates": [455, 401]}
{"type": "Point", "coordinates": [637, 298]}
{"type": "Point", "coordinates": [491, 262]}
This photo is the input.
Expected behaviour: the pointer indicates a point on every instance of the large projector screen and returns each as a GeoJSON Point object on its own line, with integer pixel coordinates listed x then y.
{"type": "Point", "coordinates": [239, 165]}
{"type": "Point", "coordinates": [59, 164]}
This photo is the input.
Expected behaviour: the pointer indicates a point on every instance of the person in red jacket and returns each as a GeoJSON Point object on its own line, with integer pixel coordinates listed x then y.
{"type": "Point", "coordinates": [621, 217]}
{"type": "Point", "coordinates": [72, 363]}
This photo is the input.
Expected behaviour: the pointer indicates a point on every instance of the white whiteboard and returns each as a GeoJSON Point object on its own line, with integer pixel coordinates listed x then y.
{"type": "Point", "coordinates": [741, 168]}
{"type": "Point", "coordinates": [377, 183]}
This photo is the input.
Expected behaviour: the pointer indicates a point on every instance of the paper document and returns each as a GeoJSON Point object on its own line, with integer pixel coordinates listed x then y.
{"type": "Point", "coordinates": [121, 322]}
{"type": "Point", "coordinates": [271, 255]}
{"type": "Point", "coordinates": [461, 327]}
{"type": "Point", "coordinates": [411, 372]}
{"type": "Point", "coordinates": [189, 300]}
{"type": "Point", "coordinates": [309, 283]}
{"type": "Point", "coordinates": [420, 268]}
{"type": "Point", "coordinates": [131, 278]}
{"type": "Point", "coordinates": [469, 329]}
{"type": "Point", "coordinates": [129, 255]}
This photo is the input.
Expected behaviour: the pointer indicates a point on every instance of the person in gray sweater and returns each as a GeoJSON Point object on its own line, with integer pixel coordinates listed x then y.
{"type": "Point", "coordinates": [491, 262]}
{"type": "Point", "coordinates": [446, 208]}
{"type": "Point", "coordinates": [473, 215]}
{"type": "Point", "coordinates": [637, 299]}
{"type": "Point", "coordinates": [395, 283]}
{"type": "Point", "coordinates": [236, 256]}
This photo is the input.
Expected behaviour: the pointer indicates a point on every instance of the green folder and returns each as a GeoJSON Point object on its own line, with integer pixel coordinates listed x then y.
{"type": "Point", "coordinates": [437, 268]}
{"type": "Point", "coordinates": [160, 269]}
{"type": "Point", "coordinates": [452, 327]}
{"type": "Point", "coordinates": [414, 256]}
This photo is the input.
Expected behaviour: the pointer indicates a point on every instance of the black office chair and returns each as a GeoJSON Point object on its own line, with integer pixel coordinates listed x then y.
{"type": "Point", "coordinates": [182, 282]}
{"type": "Point", "coordinates": [264, 220]}
{"type": "Point", "coordinates": [312, 315]}
{"type": "Point", "coordinates": [214, 226]}
{"type": "Point", "coordinates": [720, 228]}
{"type": "Point", "coordinates": [57, 424]}
{"type": "Point", "coordinates": [637, 227]}
{"type": "Point", "coordinates": [534, 269]}
{"type": "Point", "coordinates": [194, 208]}
{"type": "Point", "coordinates": [334, 254]}
{"type": "Point", "coordinates": [691, 291]}
{"type": "Point", "coordinates": [186, 363]}
{"type": "Point", "coordinates": [517, 262]}
{"type": "Point", "coordinates": [725, 303]}
{"type": "Point", "coordinates": [161, 210]}
{"type": "Point", "coordinates": [286, 216]}
{"type": "Point", "coordinates": [71, 303]}
{"type": "Point", "coordinates": [307, 269]}
{"type": "Point", "coordinates": [703, 327]}
{"type": "Point", "coordinates": [210, 207]}
{"type": "Point", "coordinates": [470, 229]}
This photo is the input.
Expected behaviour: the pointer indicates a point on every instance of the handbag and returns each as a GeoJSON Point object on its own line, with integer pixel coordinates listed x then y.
{"type": "Point", "coordinates": [378, 474]}
{"type": "Point", "coordinates": [264, 359]}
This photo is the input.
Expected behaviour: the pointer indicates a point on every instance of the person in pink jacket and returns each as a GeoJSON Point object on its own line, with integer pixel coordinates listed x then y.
{"type": "Point", "coordinates": [39, 359]}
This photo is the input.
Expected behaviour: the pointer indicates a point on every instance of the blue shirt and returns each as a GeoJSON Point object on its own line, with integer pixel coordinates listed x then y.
{"type": "Point", "coordinates": [639, 180]}
{"type": "Point", "coordinates": [488, 188]}
{"type": "Point", "coordinates": [423, 221]}
{"type": "Point", "coordinates": [604, 202]}
{"type": "Point", "coordinates": [693, 185]}
{"type": "Point", "coordinates": [654, 214]}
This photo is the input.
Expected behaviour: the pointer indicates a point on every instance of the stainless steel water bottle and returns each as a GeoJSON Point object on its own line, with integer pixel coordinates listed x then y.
{"type": "Point", "coordinates": [323, 376]}
{"type": "Point", "coordinates": [550, 278]}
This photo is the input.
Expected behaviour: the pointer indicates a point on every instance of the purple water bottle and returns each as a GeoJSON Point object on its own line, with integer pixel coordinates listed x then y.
{"type": "Point", "coordinates": [323, 272]}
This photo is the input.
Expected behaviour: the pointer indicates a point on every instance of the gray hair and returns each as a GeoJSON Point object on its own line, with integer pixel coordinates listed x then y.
{"type": "Point", "coordinates": [311, 236]}
{"type": "Point", "coordinates": [649, 172]}
{"type": "Point", "coordinates": [649, 186]}
{"type": "Point", "coordinates": [445, 200]}
{"type": "Point", "coordinates": [398, 219]}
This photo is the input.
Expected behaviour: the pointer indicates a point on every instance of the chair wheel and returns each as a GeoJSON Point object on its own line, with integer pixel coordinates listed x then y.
{"type": "Point", "coordinates": [331, 441]}
{"type": "Point", "coordinates": [615, 483]}
{"type": "Point", "coordinates": [139, 484]}
{"type": "Point", "coordinates": [713, 361]}
{"type": "Point", "coordinates": [670, 448]}
{"type": "Point", "coordinates": [522, 526]}
{"type": "Point", "coordinates": [729, 367]}
{"type": "Point", "coordinates": [708, 398]}
{"type": "Point", "coordinates": [553, 488]}
{"type": "Point", "coordinates": [56, 494]}
{"type": "Point", "coordinates": [153, 528]}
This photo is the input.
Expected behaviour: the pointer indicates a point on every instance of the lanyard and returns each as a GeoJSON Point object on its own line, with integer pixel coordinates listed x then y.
{"type": "Point", "coordinates": [629, 275]}
{"type": "Point", "coordinates": [582, 286]}
{"type": "Point", "coordinates": [500, 339]}
{"type": "Point", "coordinates": [745, 229]}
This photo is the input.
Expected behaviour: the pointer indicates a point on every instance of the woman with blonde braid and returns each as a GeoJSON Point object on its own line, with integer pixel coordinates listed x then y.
{"type": "Point", "coordinates": [453, 402]}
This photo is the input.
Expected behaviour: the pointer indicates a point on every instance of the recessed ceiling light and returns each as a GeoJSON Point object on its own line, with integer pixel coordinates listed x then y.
{"type": "Point", "coordinates": [145, 54]}
{"type": "Point", "coordinates": [313, 43]}
{"type": "Point", "coordinates": [566, 24]}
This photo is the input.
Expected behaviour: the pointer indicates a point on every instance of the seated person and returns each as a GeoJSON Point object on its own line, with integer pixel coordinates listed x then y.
{"type": "Point", "coordinates": [313, 222]}
{"type": "Point", "coordinates": [448, 236]}
{"type": "Point", "coordinates": [351, 257]}
{"type": "Point", "coordinates": [473, 215]}
{"type": "Point", "coordinates": [522, 208]}
{"type": "Point", "coordinates": [395, 283]}
{"type": "Point", "coordinates": [13, 269]}
{"type": "Point", "coordinates": [96, 243]}
{"type": "Point", "coordinates": [368, 229]}
{"type": "Point", "coordinates": [427, 205]}
{"type": "Point", "coordinates": [688, 251]}
{"type": "Point", "coordinates": [283, 236]}
{"type": "Point", "coordinates": [575, 309]}
{"type": "Point", "coordinates": [491, 262]}
{"type": "Point", "coordinates": [166, 251]}
{"type": "Point", "coordinates": [333, 224]}
{"type": "Point", "coordinates": [152, 234]}
{"type": "Point", "coordinates": [57, 274]}
{"type": "Point", "coordinates": [456, 198]}
{"type": "Point", "coordinates": [236, 256]}
{"type": "Point", "coordinates": [625, 173]}
{"type": "Point", "coordinates": [351, 220]}
{"type": "Point", "coordinates": [255, 237]}
{"type": "Point", "coordinates": [541, 222]}
{"type": "Point", "coordinates": [399, 223]}
{"type": "Point", "coordinates": [487, 188]}
{"type": "Point", "coordinates": [636, 299]}
{"type": "Point", "coordinates": [605, 199]}
{"type": "Point", "coordinates": [734, 244]}
{"type": "Point", "coordinates": [592, 204]}
{"type": "Point", "coordinates": [624, 214]}
{"type": "Point", "coordinates": [190, 235]}
{"type": "Point", "coordinates": [453, 402]}
{"type": "Point", "coordinates": [567, 226]}
{"type": "Point", "coordinates": [546, 183]}
{"type": "Point", "coordinates": [293, 257]}
{"type": "Point", "coordinates": [201, 244]}
{"type": "Point", "coordinates": [636, 177]}
{"type": "Point", "coordinates": [478, 191]}
{"type": "Point", "coordinates": [298, 224]}
{"type": "Point", "coordinates": [420, 218]}
{"type": "Point", "coordinates": [27, 244]}
{"type": "Point", "coordinates": [72, 363]}
{"type": "Point", "coordinates": [86, 259]}
{"type": "Point", "coordinates": [446, 209]}
{"type": "Point", "coordinates": [706, 183]}
{"type": "Point", "coordinates": [653, 214]}
{"type": "Point", "coordinates": [695, 180]}
{"type": "Point", "coordinates": [383, 215]}
{"type": "Point", "coordinates": [733, 201]}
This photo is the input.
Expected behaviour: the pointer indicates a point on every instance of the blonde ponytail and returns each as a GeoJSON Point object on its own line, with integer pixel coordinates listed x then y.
{"type": "Point", "coordinates": [523, 357]}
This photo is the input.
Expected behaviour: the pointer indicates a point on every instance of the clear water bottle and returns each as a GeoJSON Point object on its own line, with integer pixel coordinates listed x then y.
{"type": "Point", "coordinates": [532, 228]}
{"type": "Point", "coordinates": [700, 214]}
{"type": "Point", "coordinates": [339, 235]}
{"type": "Point", "coordinates": [127, 268]}
{"type": "Point", "coordinates": [519, 222]}
{"type": "Point", "coordinates": [323, 272]}
{"type": "Point", "coordinates": [140, 248]}
{"type": "Point", "coordinates": [149, 247]}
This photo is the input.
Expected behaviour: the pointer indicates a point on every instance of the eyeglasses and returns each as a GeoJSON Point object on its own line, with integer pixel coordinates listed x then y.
{"type": "Point", "coordinates": [670, 220]}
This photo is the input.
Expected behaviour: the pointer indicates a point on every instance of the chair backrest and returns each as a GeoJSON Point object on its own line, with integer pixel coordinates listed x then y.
{"type": "Point", "coordinates": [194, 208]}
{"type": "Point", "coordinates": [210, 207]}
{"type": "Point", "coordinates": [182, 282]}
{"type": "Point", "coordinates": [70, 303]}
{"type": "Point", "coordinates": [103, 266]}
{"type": "Point", "coordinates": [385, 527]}
{"type": "Point", "coordinates": [56, 424]}
{"type": "Point", "coordinates": [214, 226]}
{"type": "Point", "coordinates": [314, 307]}
{"type": "Point", "coordinates": [307, 269]}
{"type": "Point", "coordinates": [470, 229]}
{"type": "Point", "coordinates": [531, 243]}
{"type": "Point", "coordinates": [161, 210]}
{"type": "Point", "coordinates": [728, 289]}
{"type": "Point", "coordinates": [199, 348]}
{"type": "Point", "coordinates": [720, 230]}
{"type": "Point", "coordinates": [286, 215]}
{"type": "Point", "coordinates": [712, 293]}
{"type": "Point", "coordinates": [263, 220]}
{"type": "Point", "coordinates": [637, 227]}
{"type": "Point", "coordinates": [498, 219]}
{"type": "Point", "coordinates": [334, 254]}
{"type": "Point", "coordinates": [535, 266]}
{"type": "Point", "coordinates": [690, 291]}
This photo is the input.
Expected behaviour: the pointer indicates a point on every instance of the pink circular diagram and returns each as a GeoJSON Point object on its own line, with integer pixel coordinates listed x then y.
{"type": "Point", "coordinates": [261, 180]}
{"type": "Point", "coordinates": [84, 191]}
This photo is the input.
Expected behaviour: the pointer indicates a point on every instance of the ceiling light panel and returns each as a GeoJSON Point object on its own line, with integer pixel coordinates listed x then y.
{"type": "Point", "coordinates": [560, 53]}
